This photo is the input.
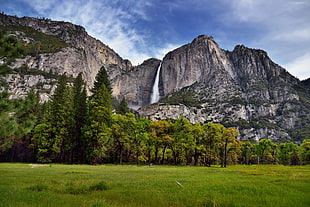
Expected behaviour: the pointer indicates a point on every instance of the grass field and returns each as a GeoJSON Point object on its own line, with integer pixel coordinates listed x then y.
{"type": "Point", "coordinates": [111, 185]}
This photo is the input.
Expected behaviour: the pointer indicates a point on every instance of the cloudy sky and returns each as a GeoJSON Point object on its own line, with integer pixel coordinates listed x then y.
{"type": "Point", "coordinates": [139, 29]}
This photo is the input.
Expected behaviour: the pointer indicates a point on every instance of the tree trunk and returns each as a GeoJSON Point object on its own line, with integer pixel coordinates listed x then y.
{"type": "Point", "coordinates": [163, 156]}
{"type": "Point", "coordinates": [121, 156]}
{"type": "Point", "coordinates": [225, 153]}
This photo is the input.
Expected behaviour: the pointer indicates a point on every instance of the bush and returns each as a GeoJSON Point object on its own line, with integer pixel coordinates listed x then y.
{"type": "Point", "coordinates": [38, 187]}
{"type": "Point", "coordinates": [99, 187]}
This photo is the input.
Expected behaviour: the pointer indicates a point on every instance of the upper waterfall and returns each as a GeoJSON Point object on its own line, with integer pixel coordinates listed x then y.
{"type": "Point", "coordinates": [155, 92]}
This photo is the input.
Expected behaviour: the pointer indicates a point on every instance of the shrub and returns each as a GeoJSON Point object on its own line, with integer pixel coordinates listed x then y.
{"type": "Point", "coordinates": [38, 187]}
{"type": "Point", "coordinates": [99, 186]}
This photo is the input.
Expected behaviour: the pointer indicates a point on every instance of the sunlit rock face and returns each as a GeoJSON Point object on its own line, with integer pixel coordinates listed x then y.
{"type": "Point", "coordinates": [243, 88]}
{"type": "Point", "coordinates": [243, 85]}
{"type": "Point", "coordinates": [85, 54]}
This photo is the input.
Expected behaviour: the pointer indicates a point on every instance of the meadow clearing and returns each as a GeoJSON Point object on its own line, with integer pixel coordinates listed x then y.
{"type": "Point", "coordinates": [130, 185]}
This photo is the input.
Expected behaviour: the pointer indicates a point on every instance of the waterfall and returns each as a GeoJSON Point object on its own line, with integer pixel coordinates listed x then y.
{"type": "Point", "coordinates": [155, 92]}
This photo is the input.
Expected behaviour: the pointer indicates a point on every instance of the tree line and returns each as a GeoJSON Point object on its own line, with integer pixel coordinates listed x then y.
{"type": "Point", "coordinates": [75, 128]}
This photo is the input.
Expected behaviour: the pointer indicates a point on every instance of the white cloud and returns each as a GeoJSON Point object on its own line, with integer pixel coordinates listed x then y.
{"type": "Point", "coordinates": [161, 52]}
{"type": "Point", "coordinates": [300, 67]}
{"type": "Point", "coordinates": [109, 21]}
{"type": "Point", "coordinates": [282, 27]}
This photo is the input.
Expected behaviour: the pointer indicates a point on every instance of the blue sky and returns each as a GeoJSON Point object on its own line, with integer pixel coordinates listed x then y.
{"type": "Point", "coordinates": [139, 29]}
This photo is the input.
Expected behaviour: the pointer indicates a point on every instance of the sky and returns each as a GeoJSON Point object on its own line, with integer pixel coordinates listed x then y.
{"type": "Point", "coordinates": [140, 29]}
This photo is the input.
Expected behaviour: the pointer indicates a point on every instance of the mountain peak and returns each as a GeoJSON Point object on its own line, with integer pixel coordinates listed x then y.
{"type": "Point", "coordinates": [202, 39]}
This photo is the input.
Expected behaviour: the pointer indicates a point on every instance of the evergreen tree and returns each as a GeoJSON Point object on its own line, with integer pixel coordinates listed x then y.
{"type": "Point", "coordinates": [9, 46]}
{"type": "Point", "coordinates": [97, 132]}
{"type": "Point", "coordinates": [9, 49]}
{"type": "Point", "coordinates": [53, 137]}
{"type": "Point", "coordinates": [17, 119]}
{"type": "Point", "coordinates": [80, 114]}
{"type": "Point", "coordinates": [62, 119]}
{"type": "Point", "coordinates": [102, 78]}
{"type": "Point", "coordinates": [123, 107]}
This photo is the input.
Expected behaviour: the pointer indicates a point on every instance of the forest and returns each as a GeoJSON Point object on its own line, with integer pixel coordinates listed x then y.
{"type": "Point", "coordinates": [76, 128]}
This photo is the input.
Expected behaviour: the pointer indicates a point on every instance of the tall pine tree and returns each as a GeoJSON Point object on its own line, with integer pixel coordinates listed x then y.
{"type": "Point", "coordinates": [54, 136]}
{"type": "Point", "coordinates": [97, 132]}
{"type": "Point", "coordinates": [80, 115]}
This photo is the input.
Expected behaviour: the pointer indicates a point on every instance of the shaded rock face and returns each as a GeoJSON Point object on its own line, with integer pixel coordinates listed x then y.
{"type": "Point", "coordinates": [136, 85]}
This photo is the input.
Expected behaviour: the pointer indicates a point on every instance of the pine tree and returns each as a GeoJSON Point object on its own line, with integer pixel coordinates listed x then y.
{"type": "Point", "coordinates": [53, 137]}
{"type": "Point", "coordinates": [80, 114]}
{"type": "Point", "coordinates": [17, 119]}
{"type": "Point", "coordinates": [123, 107]}
{"type": "Point", "coordinates": [102, 78]}
{"type": "Point", "coordinates": [97, 132]}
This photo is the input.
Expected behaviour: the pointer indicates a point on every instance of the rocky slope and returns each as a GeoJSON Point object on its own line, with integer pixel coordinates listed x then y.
{"type": "Point", "coordinates": [241, 88]}
{"type": "Point", "coordinates": [85, 54]}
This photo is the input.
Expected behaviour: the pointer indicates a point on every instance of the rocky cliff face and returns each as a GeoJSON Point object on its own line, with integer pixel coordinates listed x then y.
{"type": "Point", "coordinates": [86, 54]}
{"type": "Point", "coordinates": [136, 85]}
{"type": "Point", "coordinates": [200, 81]}
{"type": "Point", "coordinates": [241, 88]}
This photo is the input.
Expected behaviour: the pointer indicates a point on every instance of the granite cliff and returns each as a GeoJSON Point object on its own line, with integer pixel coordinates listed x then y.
{"type": "Point", "coordinates": [243, 88]}
{"type": "Point", "coordinates": [83, 53]}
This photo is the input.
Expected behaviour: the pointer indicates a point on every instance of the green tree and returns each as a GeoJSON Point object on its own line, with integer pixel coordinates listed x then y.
{"type": "Point", "coordinates": [288, 153]}
{"type": "Point", "coordinates": [123, 107]}
{"type": "Point", "coordinates": [62, 119]}
{"type": "Point", "coordinates": [17, 119]}
{"type": "Point", "coordinates": [97, 131]}
{"type": "Point", "coordinates": [102, 78]}
{"type": "Point", "coordinates": [80, 114]}
{"type": "Point", "coordinates": [305, 151]}
{"type": "Point", "coordinates": [46, 147]}
{"type": "Point", "coordinates": [213, 134]}
{"type": "Point", "coordinates": [247, 151]}
{"type": "Point", "coordinates": [57, 126]}
{"type": "Point", "coordinates": [123, 132]}
{"type": "Point", "coordinates": [142, 135]}
{"type": "Point", "coordinates": [9, 50]}
{"type": "Point", "coordinates": [225, 143]}
{"type": "Point", "coordinates": [161, 138]}
{"type": "Point", "coordinates": [265, 150]}
{"type": "Point", "coordinates": [198, 133]}
{"type": "Point", "coordinates": [9, 46]}
{"type": "Point", "coordinates": [183, 143]}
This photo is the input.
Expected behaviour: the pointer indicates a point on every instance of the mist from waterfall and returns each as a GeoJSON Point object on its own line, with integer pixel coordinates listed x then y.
{"type": "Point", "coordinates": [155, 92]}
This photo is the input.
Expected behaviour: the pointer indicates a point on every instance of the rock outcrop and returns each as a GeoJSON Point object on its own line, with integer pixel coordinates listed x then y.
{"type": "Point", "coordinates": [136, 85]}
{"type": "Point", "coordinates": [85, 54]}
{"type": "Point", "coordinates": [242, 88]}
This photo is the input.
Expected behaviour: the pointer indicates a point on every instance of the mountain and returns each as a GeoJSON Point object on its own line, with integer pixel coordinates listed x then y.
{"type": "Point", "coordinates": [80, 53]}
{"type": "Point", "coordinates": [243, 88]}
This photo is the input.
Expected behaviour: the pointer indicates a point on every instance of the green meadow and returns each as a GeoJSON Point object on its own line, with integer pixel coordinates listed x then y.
{"type": "Point", "coordinates": [128, 185]}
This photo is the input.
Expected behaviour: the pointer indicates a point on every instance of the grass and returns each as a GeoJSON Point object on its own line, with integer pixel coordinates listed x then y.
{"type": "Point", "coordinates": [111, 185]}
